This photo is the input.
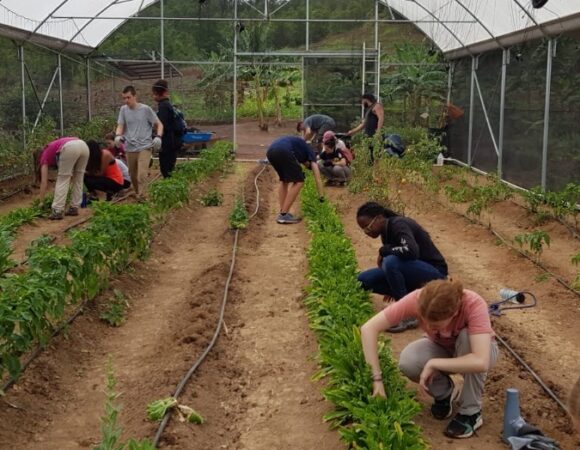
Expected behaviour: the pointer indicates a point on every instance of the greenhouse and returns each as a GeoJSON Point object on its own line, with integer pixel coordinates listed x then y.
{"type": "Point", "coordinates": [187, 193]}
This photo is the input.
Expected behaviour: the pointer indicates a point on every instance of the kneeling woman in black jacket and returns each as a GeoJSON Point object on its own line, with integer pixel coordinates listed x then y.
{"type": "Point", "coordinates": [407, 260]}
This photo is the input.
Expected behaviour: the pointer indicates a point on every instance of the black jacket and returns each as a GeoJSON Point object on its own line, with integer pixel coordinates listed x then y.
{"type": "Point", "coordinates": [169, 141]}
{"type": "Point", "coordinates": [405, 238]}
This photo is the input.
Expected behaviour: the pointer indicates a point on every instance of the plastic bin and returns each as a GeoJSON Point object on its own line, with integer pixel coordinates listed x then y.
{"type": "Point", "coordinates": [192, 138]}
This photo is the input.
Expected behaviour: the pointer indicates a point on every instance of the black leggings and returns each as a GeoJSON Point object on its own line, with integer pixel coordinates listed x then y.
{"type": "Point", "coordinates": [104, 184]}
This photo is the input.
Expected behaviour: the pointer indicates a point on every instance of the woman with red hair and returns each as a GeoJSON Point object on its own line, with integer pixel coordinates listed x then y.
{"type": "Point", "coordinates": [459, 340]}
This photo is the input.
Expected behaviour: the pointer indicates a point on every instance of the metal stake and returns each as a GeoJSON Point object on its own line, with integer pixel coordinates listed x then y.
{"type": "Point", "coordinates": [162, 27]}
{"type": "Point", "coordinates": [471, 104]}
{"type": "Point", "coordinates": [547, 113]}
{"type": "Point", "coordinates": [60, 95]}
{"type": "Point", "coordinates": [22, 70]}
{"type": "Point", "coordinates": [504, 63]}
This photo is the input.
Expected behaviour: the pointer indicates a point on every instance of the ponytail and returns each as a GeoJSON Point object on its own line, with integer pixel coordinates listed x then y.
{"type": "Point", "coordinates": [373, 209]}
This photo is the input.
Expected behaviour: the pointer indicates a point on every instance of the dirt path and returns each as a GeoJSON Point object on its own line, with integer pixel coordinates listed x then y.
{"type": "Point", "coordinates": [60, 397]}
{"type": "Point", "coordinates": [256, 391]}
{"type": "Point", "coordinates": [547, 336]}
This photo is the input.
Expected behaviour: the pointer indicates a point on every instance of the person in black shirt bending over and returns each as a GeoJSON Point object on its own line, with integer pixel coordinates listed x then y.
{"type": "Point", "coordinates": [407, 260]}
{"type": "Point", "coordinates": [372, 121]}
{"type": "Point", "coordinates": [171, 141]}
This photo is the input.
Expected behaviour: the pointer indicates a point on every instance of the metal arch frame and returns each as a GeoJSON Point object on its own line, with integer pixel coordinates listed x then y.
{"type": "Point", "coordinates": [480, 22]}
{"type": "Point", "coordinates": [81, 29]}
{"type": "Point", "coordinates": [440, 22]}
{"type": "Point", "coordinates": [46, 19]}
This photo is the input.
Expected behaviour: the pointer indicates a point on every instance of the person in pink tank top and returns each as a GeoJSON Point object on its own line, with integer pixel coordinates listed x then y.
{"type": "Point", "coordinates": [458, 340]}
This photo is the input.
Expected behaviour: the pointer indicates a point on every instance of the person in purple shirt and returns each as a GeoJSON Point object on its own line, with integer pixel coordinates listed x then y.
{"type": "Point", "coordinates": [70, 155]}
{"type": "Point", "coordinates": [286, 154]}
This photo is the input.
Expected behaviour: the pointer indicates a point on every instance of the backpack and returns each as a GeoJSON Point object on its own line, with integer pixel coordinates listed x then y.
{"type": "Point", "coordinates": [394, 145]}
{"type": "Point", "coordinates": [179, 123]}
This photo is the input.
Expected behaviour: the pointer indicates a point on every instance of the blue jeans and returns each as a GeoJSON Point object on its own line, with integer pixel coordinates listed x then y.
{"type": "Point", "coordinates": [397, 277]}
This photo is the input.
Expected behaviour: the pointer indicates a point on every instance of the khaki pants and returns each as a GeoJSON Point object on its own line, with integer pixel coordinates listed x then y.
{"type": "Point", "coordinates": [415, 355]}
{"type": "Point", "coordinates": [72, 162]}
{"type": "Point", "coordinates": [138, 163]}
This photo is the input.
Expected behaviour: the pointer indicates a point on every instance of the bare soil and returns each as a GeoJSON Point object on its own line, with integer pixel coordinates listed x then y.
{"type": "Point", "coordinates": [546, 336]}
{"type": "Point", "coordinates": [254, 391]}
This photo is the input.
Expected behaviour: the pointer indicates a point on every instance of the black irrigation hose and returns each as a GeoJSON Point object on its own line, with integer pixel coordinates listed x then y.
{"type": "Point", "coordinates": [533, 373]}
{"type": "Point", "coordinates": [197, 363]}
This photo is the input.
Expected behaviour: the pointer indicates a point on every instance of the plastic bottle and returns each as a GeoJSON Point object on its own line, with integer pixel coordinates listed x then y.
{"type": "Point", "coordinates": [515, 296]}
{"type": "Point", "coordinates": [440, 159]}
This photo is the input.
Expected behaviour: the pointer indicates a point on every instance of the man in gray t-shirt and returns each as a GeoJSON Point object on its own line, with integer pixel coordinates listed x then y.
{"type": "Point", "coordinates": [135, 126]}
{"type": "Point", "coordinates": [314, 127]}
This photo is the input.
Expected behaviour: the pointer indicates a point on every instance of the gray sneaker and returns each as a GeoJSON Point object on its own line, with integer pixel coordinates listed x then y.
{"type": "Point", "coordinates": [287, 219]}
{"type": "Point", "coordinates": [56, 215]}
{"type": "Point", "coordinates": [404, 325]}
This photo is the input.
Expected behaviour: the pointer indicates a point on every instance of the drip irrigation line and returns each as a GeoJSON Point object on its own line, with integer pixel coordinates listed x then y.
{"type": "Point", "coordinates": [533, 373]}
{"type": "Point", "coordinates": [218, 328]}
{"type": "Point", "coordinates": [12, 194]}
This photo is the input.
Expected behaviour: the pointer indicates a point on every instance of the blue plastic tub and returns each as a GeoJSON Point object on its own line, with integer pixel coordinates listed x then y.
{"type": "Point", "coordinates": [192, 138]}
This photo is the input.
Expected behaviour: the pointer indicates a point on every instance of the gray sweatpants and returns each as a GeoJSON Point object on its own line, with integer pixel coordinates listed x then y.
{"type": "Point", "coordinates": [415, 355]}
{"type": "Point", "coordinates": [335, 173]}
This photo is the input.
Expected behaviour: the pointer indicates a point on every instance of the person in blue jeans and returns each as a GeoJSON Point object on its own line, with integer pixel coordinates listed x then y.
{"type": "Point", "coordinates": [407, 260]}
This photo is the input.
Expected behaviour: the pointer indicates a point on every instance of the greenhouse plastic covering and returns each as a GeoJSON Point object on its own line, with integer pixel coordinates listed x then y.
{"type": "Point", "coordinates": [454, 25]}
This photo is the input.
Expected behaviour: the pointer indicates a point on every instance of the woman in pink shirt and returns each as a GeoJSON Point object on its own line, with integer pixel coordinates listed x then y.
{"type": "Point", "coordinates": [70, 155]}
{"type": "Point", "coordinates": [459, 339]}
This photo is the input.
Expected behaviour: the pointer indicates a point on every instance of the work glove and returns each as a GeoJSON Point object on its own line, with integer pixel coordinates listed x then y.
{"type": "Point", "coordinates": [119, 139]}
{"type": "Point", "coordinates": [156, 144]}
{"type": "Point", "coordinates": [327, 163]}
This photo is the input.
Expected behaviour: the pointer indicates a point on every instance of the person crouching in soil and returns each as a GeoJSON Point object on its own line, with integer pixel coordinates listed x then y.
{"type": "Point", "coordinates": [332, 162]}
{"type": "Point", "coordinates": [407, 260]}
{"type": "Point", "coordinates": [459, 340]}
{"type": "Point", "coordinates": [286, 154]}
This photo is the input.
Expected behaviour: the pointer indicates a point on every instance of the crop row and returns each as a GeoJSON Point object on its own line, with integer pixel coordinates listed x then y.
{"type": "Point", "coordinates": [337, 307]}
{"type": "Point", "coordinates": [35, 302]}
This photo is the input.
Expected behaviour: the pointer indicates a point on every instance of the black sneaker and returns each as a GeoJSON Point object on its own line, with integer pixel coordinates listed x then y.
{"type": "Point", "coordinates": [442, 409]}
{"type": "Point", "coordinates": [462, 426]}
{"type": "Point", "coordinates": [404, 325]}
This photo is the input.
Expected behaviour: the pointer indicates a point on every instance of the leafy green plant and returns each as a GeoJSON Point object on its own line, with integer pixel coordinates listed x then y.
{"type": "Point", "coordinates": [535, 241]}
{"type": "Point", "coordinates": [157, 409]}
{"type": "Point", "coordinates": [190, 415]}
{"type": "Point", "coordinates": [337, 307]}
{"type": "Point", "coordinates": [576, 282]}
{"type": "Point", "coordinates": [212, 198]}
{"type": "Point", "coordinates": [239, 217]}
{"type": "Point", "coordinates": [110, 429]}
{"type": "Point", "coordinates": [114, 313]}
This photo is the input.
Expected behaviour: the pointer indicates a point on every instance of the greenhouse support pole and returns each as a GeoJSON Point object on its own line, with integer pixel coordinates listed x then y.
{"type": "Point", "coordinates": [450, 80]}
{"type": "Point", "coordinates": [471, 105]}
{"type": "Point", "coordinates": [23, 88]}
{"type": "Point", "coordinates": [162, 37]}
{"type": "Point", "coordinates": [235, 99]}
{"type": "Point", "coordinates": [60, 95]}
{"type": "Point", "coordinates": [307, 25]}
{"type": "Point", "coordinates": [504, 63]}
{"type": "Point", "coordinates": [303, 90]}
{"type": "Point", "coordinates": [89, 110]}
{"type": "Point", "coordinates": [377, 25]}
{"type": "Point", "coordinates": [547, 113]}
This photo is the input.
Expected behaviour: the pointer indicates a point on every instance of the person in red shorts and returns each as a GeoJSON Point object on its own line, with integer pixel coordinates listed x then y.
{"type": "Point", "coordinates": [459, 340]}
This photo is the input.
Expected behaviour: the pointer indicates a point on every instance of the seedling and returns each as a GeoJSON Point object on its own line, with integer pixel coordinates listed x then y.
{"type": "Point", "coordinates": [114, 313]}
{"type": "Point", "coordinates": [110, 429]}
{"type": "Point", "coordinates": [212, 198]}
{"type": "Point", "coordinates": [534, 241]}
{"type": "Point", "coordinates": [541, 277]}
{"type": "Point", "coordinates": [157, 409]}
